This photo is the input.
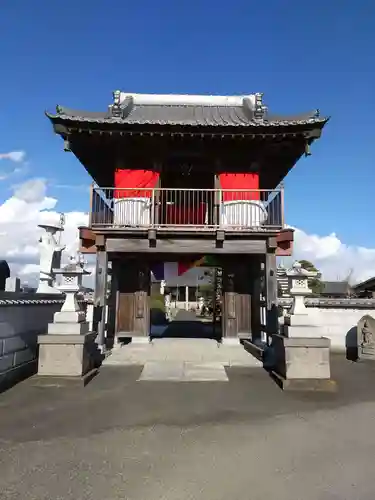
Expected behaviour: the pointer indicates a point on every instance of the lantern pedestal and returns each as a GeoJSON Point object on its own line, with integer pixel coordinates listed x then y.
{"type": "Point", "coordinates": [69, 349]}
{"type": "Point", "coordinates": [302, 363]}
{"type": "Point", "coordinates": [67, 355]}
{"type": "Point", "coordinates": [301, 358]}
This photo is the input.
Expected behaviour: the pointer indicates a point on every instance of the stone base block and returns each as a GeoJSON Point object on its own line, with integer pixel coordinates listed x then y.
{"type": "Point", "coordinates": [366, 357]}
{"type": "Point", "coordinates": [140, 340]}
{"type": "Point", "coordinates": [66, 355]}
{"type": "Point", "coordinates": [230, 341]}
{"type": "Point", "coordinates": [297, 320]}
{"type": "Point", "coordinates": [244, 335]}
{"type": "Point", "coordinates": [301, 358]}
{"type": "Point", "coordinates": [315, 385]}
{"type": "Point", "coordinates": [68, 317]}
{"type": "Point", "coordinates": [300, 331]}
{"type": "Point", "coordinates": [68, 328]}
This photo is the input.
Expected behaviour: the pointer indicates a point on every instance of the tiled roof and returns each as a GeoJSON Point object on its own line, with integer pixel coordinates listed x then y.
{"type": "Point", "coordinates": [132, 112]}
{"type": "Point", "coordinates": [335, 287]}
{"type": "Point", "coordinates": [368, 285]}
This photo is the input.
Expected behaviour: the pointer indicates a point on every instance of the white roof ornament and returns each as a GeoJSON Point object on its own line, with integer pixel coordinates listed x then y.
{"type": "Point", "coordinates": [187, 99]}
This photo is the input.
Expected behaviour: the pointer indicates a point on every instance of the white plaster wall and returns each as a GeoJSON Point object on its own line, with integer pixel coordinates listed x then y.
{"type": "Point", "coordinates": [339, 325]}
{"type": "Point", "coordinates": [20, 324]}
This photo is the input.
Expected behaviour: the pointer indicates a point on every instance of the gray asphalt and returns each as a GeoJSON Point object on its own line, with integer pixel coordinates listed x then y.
{"type": "Point", "coordinates": [246, 439]}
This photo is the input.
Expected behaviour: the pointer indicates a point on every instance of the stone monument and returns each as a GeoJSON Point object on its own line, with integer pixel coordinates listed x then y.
{"type": "Point", "coordinates": [301, 358]}
{"type": "Point", "coordinates": [366, 338]}
{"type": "Point", "coordinates": [50, 252]}
{"type": "Point", "coordinates": [68, 349]}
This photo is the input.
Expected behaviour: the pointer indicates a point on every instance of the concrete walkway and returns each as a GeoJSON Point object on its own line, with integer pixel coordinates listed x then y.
{"type": "Point", "coordinates": [193, 359]}
{"type": "Point", "coordinates": [183, 372]}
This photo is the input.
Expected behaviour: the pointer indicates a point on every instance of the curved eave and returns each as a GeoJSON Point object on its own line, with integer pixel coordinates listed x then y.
{"type": "Point", "coordinates": [113, 123]}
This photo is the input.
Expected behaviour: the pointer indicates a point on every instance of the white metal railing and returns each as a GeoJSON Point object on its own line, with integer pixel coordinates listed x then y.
{"type": "Point", "coordinates": [200, 209]}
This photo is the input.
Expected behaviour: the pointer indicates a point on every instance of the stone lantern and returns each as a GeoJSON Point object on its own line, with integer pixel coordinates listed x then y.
{"type": "Point", "coordinates": [299, 287]}
{"type": "Point", "coordinates": [300, 355]}
{"type": "Point", "coordinates": [71, 283]}
{"type": "Point", "coordinates": [68, 349]}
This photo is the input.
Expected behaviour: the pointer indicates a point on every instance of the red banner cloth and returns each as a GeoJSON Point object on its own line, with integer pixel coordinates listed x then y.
{"type": "Point", "coordinates": [239, 182]}
{"type": "Point", "coordinates": [133, 179]}
{"type": "Point", "coordinates": [176, 215]}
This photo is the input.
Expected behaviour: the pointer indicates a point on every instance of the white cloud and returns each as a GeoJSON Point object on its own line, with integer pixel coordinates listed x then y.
{"type": "Point", "coordinates": [30, 205]}
{"type": "Point", "coordinates": [31, 191]}
{"type": "Point", "coordinates": [16, 156]}
{"type": "Point", "coordinates": [19, 234]}
{"type": "Point", "coordinates": [333, 258]}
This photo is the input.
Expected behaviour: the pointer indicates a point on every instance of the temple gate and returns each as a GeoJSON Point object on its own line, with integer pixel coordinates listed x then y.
{"type": "Point", "coordinates": [181, 177]}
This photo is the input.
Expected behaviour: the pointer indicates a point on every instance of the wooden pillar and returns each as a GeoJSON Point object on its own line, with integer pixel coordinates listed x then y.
{"type": "Point", "coordinates": [271, 293]}
{"type": "Point", "coordinates": [100, 294]}
{"type": "Point", "coordinates": [229, 318]}
{"type": "Point", "coordinates": [133, 298]}
{"type": "Point", "coordinates": [111, 306]}
{"type": "Point", "coordinates": [256, 333]}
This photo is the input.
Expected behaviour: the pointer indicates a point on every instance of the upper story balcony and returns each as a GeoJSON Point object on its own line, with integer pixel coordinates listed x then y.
{"type": "Point", "coordinates": [195, 210]}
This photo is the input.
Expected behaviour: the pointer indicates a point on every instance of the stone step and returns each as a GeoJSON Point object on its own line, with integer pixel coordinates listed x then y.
{"type": "Point", "coordinates": [171, 371]}
{"type": "Point", "coordinates": [182, 350]}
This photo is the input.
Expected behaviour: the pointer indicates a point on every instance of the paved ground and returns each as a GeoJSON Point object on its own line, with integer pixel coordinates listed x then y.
{"type": "Point", "coordinates": [181, 357]}
{"type": "Point", "coordinates": [242, 439]}
{"type": "Point", "coordinates": [183, 372]}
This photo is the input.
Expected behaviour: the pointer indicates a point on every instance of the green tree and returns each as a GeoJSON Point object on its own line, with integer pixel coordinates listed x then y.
{"type": "Point", "coordinates": [316, 284]}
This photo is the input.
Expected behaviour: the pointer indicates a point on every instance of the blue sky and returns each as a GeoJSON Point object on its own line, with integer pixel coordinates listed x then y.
{"type": "Point", "coordinates": [301, 55]}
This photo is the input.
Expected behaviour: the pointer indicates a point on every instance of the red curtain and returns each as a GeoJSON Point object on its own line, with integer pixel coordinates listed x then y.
{"type": "Point", "coordinates": [240, 182]}
{"type": "Point", "coordinates": [133, 179]}
{"type": "Point", "coordinates": [186, 215]}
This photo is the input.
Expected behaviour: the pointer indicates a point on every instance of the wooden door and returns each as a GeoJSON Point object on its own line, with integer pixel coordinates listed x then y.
{"type": "Point", "coordinates": [133, 296]}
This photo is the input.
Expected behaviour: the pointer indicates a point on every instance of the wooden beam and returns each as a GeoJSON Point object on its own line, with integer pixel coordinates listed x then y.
{"type": "Point", "coordinates": [186, 246]}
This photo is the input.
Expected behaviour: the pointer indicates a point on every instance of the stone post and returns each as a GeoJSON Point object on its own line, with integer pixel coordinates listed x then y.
{"type": "Point", "coordinates": [301, 356]}
{"type": "Point", "coordinates": [68, 349]}
{"type": "Point", "coordinates": [50, 257]}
